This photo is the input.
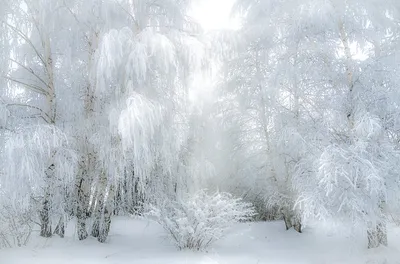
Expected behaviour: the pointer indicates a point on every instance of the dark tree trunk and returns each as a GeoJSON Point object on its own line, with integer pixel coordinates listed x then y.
{"type": "Point", "coordinates": [98, 209]}
{"type": "Point", "coordinates": [105, 225]}
{"type": "Point", "coordinates": [44, 214]}
{"type": "Point", "coordinates": [96, 228]}
{"type": "Point", "coordinates": [81, 216]}
{"type": "Point", "coordinates": [107, 210]}
{"type": "Point", "coordinates": [118, 200]}
{"type": "Point", "coordinates": [96, 222]}
{"type": "Point", "coordinates": [60, 228]}
{"type": "Point", "coordinates": [382, 234]}
{"type": "Point", "coordinates": [288, 221]}
{"type": "Point", "coordinates": [81, 228]}
{"type": "Point", "coordinates": [297, 224]}
{"type": "Point", "coordinates": [377, 236]}
{"type": "Point", "coordinates": [372, 238]}
{"type": "Point", "coordinates": [83, 196]}
{"type": "Point", "coordinates": [291, 220]}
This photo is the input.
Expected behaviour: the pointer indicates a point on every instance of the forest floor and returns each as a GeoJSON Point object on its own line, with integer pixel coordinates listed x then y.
{"type": "Point", "coordinates": [142, 242]}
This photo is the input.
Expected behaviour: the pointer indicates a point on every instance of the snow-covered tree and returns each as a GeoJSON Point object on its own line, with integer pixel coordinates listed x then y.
{"type": "Point", "coordinates": [307, 83]}
{"type": "Point", "coordinates": [142, 75]}
{"type": "Point", "coordinates": [356, 160]}
{"type": "Point", "coordinates": [38, 154]}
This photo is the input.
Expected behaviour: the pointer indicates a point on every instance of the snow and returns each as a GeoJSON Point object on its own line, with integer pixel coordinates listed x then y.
{"type": "Point", "coordinates": [139, 241]}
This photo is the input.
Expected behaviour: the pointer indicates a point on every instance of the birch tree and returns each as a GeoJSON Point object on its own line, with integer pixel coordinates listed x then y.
{"type": "Point", "coordinates": [140, 79]}
{"type": "Point", "coordinates": [33, 100]}
{"type": "Point", "coordinates": [301, 57]}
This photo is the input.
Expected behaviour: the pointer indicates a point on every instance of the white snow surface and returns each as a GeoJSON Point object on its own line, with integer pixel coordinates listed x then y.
{"type": "Point", "coordinates": [143, 242]}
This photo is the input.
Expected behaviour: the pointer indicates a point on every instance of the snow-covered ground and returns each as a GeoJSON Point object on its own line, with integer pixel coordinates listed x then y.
{"type": "Point", "coordinates": [141, 242]}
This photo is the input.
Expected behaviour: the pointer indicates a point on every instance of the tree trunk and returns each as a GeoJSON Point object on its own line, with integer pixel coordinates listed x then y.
{"type": "Point", "coordinates": [96, 227]}
{"type": "Point", "coordinates": [291, 220]}
{"type": "Point", "coordinates": [372, 238]}
{"type": "Point", "coordinates": [381, 227]}
{"type": "Point", "coordinates": [377, 236]}
{"type": "Point", "coordinates": [287, 217]}
{"type": "Point", "coordinates": [98, 209]}
{"type": "Point", "coordinates": [297, 224]}
{"type": "Point", "coordinates": [105, 225]}
{"type": "Point", "coordinates": [382, 234]}
{"type": "Point", "coordinates": [45, 223]}
{"type": "Point", "coordinates": [81, 228]}
{"type": "Point", "coordinates": [83, 201]}
{"type": "Point", "coordinates": [119, 203]}
{"type": "Point", "coordinates": [44, 214]}
{"type": "Point", "coordinates": [97, 217]}
{"type": "Point", "coordinates": [60, 228]}
{"type": "Point", "coordinates": [89, 158]}
{"type": "Point", "coordinates": [102, 221]}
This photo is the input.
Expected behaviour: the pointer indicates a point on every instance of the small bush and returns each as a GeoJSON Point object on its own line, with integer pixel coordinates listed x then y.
{"type": "Point", "coordinates": [200, 220]}
{"type": "Point", "coordinates": [16, 225]}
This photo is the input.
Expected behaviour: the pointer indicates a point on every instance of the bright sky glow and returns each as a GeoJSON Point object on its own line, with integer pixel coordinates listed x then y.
{"type": "Point", "coordinates": [214, 14]}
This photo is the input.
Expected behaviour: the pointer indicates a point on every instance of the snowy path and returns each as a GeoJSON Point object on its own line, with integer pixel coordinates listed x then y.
{"type": "Point", "coordinates": [142, 242]}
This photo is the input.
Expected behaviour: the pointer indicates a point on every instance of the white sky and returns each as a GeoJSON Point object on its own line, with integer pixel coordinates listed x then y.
{"type": "Point", "coordinates": [214, 14]}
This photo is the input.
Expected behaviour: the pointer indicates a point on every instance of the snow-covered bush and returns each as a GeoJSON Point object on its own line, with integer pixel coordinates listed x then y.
{"type": "Point", "coordinates": [265, 211]}
{"type": "Point", "coordinates": [198, 221]}
{"type": "Point", "coordinates": [16, 223]}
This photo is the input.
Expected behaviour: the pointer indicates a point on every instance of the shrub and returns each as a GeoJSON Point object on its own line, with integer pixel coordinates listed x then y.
{"type": "Point", "coordinates": [15, 224]}
{"type": "Point", "coordinates": [198, 221]}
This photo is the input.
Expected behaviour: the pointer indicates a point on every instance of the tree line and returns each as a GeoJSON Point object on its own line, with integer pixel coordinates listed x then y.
{"type": "Point", "coordinates": [98, 116]}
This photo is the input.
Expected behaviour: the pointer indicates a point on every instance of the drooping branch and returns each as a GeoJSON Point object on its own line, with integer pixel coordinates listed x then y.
{"type": "Point", "coordinates": [26, 38]}
{"type": "Point", "coordinates": [32, 107]}
{"type": "Point", "coordinates": [27, 85]}
{"type": "Point", "coordinates": [30, 70]}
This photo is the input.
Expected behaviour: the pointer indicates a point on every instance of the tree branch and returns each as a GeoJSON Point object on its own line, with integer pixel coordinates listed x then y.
{"type": "Point", "coordinates": [19, 32]}
{"type": "Point", "coordinates": [29, 86]}
{"type": "Point", "coordinates": [30, 106]}
{"type": "Point", "coordinates": [30, 70]}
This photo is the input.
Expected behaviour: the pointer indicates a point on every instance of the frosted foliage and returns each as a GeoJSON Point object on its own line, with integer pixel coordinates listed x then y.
{"type": "Point", "coordinates": [368, 128]}
{"type": "Point", "coordinates": [108, 106]}
{"type": "Point", "coordinates": [139, 78]}
{"type": "Point", "coordinates": [309, 104]}
{"type": "Point", "coordinates": [193, 52]}
{"type": "Point", "coordinates": [147, 137]}
{"type": "Point", "coordinates": [125, 56]}
{"type": "Point", "coordinates": [108, 77]}
{"type": "Point", "coordinates": [16, 220]}
{"type": "Point", "coordinates": [139, 121]}
{"type": "Point", "coordinates": [354, 178]}
{"type": "Point", "coordinates": [195, 223]}
{"type": "Point", "coordinates": [29, 155]}
{"type": "Point", "coordinates": [109, 156]}
{"type": "Point", "coordinates": [291, 142]}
